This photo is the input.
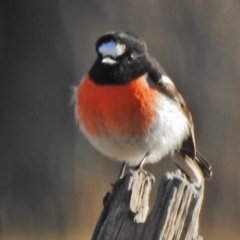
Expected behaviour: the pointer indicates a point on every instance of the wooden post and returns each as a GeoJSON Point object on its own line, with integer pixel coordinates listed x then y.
{"type": "Point", "coordinates": [175, 215]}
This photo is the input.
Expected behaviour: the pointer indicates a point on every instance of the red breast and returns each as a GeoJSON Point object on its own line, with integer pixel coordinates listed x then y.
{"type": "Point", "coordinates": [122, 110]}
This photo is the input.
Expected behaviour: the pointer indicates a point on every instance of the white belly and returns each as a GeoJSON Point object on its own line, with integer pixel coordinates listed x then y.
{"type": "Point", "coordinates": [163, 137]}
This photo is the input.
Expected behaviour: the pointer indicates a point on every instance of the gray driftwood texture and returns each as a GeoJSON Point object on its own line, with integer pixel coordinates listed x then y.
{"type": "Point", "coordinates": [174, 216]}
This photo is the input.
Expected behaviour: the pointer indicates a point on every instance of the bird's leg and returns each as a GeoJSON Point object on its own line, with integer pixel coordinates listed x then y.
{"type": "Point", "coordinates": [140, 165]}
{"type": "Point", "coordinates": [120, 176]}
{"type": "Point", "coordinates": [122, 171]}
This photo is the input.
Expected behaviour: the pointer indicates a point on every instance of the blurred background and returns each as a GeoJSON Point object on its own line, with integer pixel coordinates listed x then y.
{"type": "Point", "coordinates": [52, 181]}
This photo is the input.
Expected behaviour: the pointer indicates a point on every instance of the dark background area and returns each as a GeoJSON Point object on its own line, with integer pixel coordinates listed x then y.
{"type": "Point", "coordinates": [51, 180]}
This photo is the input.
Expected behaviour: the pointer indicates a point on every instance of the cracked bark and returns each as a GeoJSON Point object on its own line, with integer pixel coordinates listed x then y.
{"type": "Point", "coordinates": [175, 215]}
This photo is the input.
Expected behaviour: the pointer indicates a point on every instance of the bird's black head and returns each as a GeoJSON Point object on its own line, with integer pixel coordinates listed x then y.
{"type": "Point", "coordinates": [121, 57]}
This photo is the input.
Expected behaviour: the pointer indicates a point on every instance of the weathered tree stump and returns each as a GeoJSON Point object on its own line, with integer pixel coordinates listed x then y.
{"type": "Point", "coordinates": [174, 216]}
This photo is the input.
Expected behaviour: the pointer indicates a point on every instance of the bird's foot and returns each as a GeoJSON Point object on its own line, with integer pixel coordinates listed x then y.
{"type": "Point", "coordinates": [139, 171]}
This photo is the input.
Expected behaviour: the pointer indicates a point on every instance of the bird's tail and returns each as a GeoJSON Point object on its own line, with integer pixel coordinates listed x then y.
{"type": "Point", "coordinates": [195, 169]}
{"type": "Point", "coordinates": [204, 166]}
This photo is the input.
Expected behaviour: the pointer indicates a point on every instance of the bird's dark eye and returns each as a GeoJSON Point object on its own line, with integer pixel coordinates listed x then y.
{"type": "Point", "coordinates": [130, 57]}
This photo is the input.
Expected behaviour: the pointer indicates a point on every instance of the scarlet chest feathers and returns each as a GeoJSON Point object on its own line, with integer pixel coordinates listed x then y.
{"type": "Point", "coordinates": [116, 110]}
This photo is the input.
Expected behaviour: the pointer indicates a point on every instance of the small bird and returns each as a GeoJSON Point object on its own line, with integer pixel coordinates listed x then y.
{"type": "Point", "coordinates": [131, 111]}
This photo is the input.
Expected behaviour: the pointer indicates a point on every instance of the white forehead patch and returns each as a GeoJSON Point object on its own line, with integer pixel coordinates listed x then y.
{"type": "Point", "coordinates": [111, 49]}
{"type": "Point", "coordinates": [166, 79]}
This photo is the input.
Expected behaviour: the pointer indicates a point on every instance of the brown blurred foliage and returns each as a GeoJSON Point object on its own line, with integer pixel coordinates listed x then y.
{"type": "Point", "coordinates": [51, 180]}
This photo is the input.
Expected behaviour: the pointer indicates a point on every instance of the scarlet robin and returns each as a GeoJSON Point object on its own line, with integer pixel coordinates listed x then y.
{"type": "Point", "coordinates": [131, 111]}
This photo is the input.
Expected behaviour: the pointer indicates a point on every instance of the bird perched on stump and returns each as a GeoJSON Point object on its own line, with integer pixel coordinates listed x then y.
{"type": "Point", "coordinates": [131, 111]}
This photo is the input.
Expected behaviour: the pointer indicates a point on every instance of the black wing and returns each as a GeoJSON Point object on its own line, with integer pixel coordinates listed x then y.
{"type": "Point", "coordinates": [188, 147]}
